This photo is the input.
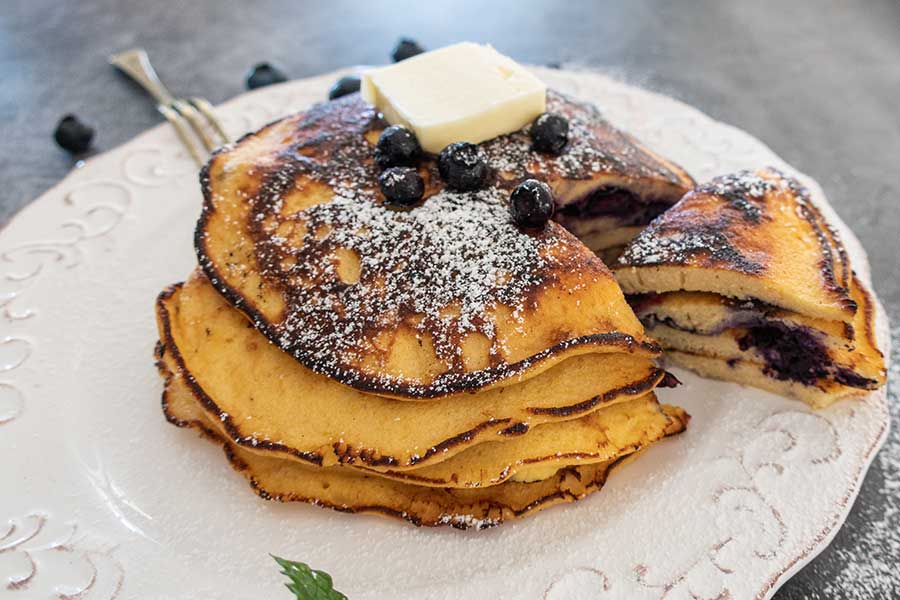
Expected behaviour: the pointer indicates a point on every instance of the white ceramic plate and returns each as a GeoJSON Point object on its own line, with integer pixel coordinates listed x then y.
{"type": "Point", "coordinates": [101, 498]}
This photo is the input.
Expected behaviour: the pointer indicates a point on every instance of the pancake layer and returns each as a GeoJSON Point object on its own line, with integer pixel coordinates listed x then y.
{"type": "Point", "coordinates": [750, 236]}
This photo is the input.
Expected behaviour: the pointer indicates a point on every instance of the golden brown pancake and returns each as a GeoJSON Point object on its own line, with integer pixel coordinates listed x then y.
{"type": "Point", "coordinates": [749, 236]}
{"type": "Point", "coordinates": [265, 400]}
{"type": "Point", "coordinates": [445, 298]}
{"type": "Point", "coordinates": [349, 490]}
{"type": "Point", "coordinates": [745, 280]}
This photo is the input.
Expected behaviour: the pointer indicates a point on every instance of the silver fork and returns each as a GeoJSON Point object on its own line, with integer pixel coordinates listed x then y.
{"type": "Point", "coordinates": [193, 118]}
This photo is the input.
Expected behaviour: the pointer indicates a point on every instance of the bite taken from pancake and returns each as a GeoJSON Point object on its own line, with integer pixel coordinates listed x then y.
{"type": "Point", "coordinates": [745, 280]}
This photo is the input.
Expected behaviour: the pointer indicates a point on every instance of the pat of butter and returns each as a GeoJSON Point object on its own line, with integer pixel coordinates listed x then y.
{"type": "Point", "coordinates": [462, 93]}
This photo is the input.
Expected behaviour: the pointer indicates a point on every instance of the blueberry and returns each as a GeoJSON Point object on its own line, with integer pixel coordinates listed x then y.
{"type": "Point", "coordinates": [397, 147]}
{"type": "Point", "coordinates": [406, 48]}
{"type": "Point", "coordinates": [264, 74]}
{"type": "Point", "coordinates": [531, 204]}
{"type": "Point", "coordinates": [463, 166]}
{"type": "Point", "coordinates": [343, 86]}
{"type": "Point", "coordinates": [549, 133]}
{"type": "Point", "coordinates": [401, 186]}
{"type": "Point", "coordinates": [73, 135]}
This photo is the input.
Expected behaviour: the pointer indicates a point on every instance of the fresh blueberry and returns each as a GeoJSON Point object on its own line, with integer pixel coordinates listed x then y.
{"type": "Point", "coordinates": [406, 48]}
{"type": "Point", "coordinates": [343, 86]}
{"type": "Point", "coordinates": [264, 74]}
{"type": "Point", "coordinates": [73, 135]}
{"type": "Point", "coordinates": [397, 147]}
{"type": "Point", "coordinates": [401, 186]}
{"type": "Point", "coordinates": [531, 204]}
{"type": "Point", "coordinates": [549, 133]}
{"type": "Point", "coordinates": [463, 166]}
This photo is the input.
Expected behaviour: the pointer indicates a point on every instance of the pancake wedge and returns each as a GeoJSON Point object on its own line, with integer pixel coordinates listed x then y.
{"type": "Point", "coordinates": [444, 298]}
{"type": "Point", "coordinates": [744, 280]}
{"type": "Point", "coordinates": [349, 490]}
{"type": "Point", "coordinates": [750, 236]}
{"type": "Point", "coordinates": [266, 400]}
{"type": "Point", "coordinates": [607, 184]}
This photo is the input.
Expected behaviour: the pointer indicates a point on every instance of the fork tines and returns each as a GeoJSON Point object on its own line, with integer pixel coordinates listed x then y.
{"type": "Point", "coordinates": [194, 119]}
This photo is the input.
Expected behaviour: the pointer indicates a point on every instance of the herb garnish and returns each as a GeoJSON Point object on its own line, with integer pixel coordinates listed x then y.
{"type": "Point", "coordinates": [306, 583]}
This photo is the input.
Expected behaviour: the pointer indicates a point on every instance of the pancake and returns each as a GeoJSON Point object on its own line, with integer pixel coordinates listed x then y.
{"type": "Point", "coordinates": [445, 298]}
{"type": "Point", "coordinates": [349, 490]}
{"type": "Point", "coordinates": [748, 235]}
{"type": "Point", "coordinates": [757, 288]}
{"type": "Point", "coordinates": [267, 401]}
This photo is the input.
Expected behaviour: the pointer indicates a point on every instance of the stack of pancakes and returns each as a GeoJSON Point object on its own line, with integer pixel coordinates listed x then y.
{"type": "Point", "coordinates": [436, 364]}
{"type": "Point", "coordinates": [744, 280]}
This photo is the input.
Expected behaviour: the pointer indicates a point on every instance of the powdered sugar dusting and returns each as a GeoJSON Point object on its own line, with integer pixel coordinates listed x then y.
{"type": "Point", "coordinates": [743, 183]}
{"type": "Point", "coordinates": [440, 268]}
{"type": "Point", "coordinates": [467, 522]}
{"type": "Point", "coordinates": [594, 147]}
{"type": "Point", "coordinates": [677, 237]}
{"type": "Point", "coordinates": [869, 566]}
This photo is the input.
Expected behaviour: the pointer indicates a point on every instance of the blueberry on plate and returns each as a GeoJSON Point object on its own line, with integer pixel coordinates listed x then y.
{"type": "Point", "coordinates": [401, 186]}
{"type": "Point", "coordinates": [264, 74]}
{"type": "Point", "coordinates": [406, 48]}
{"type": "Point", "coordinates": [343, 86]}
{"type": "Point", "coordinates": [72, 135]}
{"type": "Point", "coordinates": [463, 166]}
{"type": "Point", "coordinates": [397, 147]}
{"type": "Point", "coordinates": [531, 204]}
{"type": "Point", "coordinates": [549, 133]}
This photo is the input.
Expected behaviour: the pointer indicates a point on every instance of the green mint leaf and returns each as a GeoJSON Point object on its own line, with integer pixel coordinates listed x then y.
{"type": "Point", "coordinates": [307, 584]}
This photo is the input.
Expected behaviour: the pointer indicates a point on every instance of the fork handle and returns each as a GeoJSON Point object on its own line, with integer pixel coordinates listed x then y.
{"type": "Point", "coordinates": [136, 64]}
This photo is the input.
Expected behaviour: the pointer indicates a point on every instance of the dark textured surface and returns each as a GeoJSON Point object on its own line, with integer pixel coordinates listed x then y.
{"type": "Point", "coordinates": [818, 81]}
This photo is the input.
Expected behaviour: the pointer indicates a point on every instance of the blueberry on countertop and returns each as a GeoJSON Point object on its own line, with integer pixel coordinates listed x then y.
{"type": "Point", "coordinates": [402, 186]}
{"type": "Point", "coordinates": [463, 166]}
{"type": "Point", "coordinates": [397, 147]}
{"type": "Point", "coordinates": [406, 48]}
{"type": "Point", "coordinates": [73, 135]}
{"type": "Point", "coordinates": [264, 74]}
{"type": "Point", "coordinates": [343, 86]}
{"type": "Point", "coordinates": [531, 204]}
{"type": "Point", "coordinates": [549, 133]}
